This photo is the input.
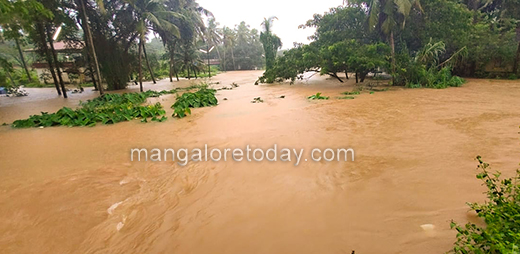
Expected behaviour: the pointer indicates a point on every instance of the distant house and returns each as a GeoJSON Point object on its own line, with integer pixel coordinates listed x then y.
{"type": "Point", "coordinates": [73, 70]}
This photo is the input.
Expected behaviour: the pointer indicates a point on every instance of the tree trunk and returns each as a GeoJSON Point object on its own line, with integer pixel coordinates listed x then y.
{"type": "Point", "coordinates": [174, 68]}
{"type": "Point", "coordinates": [336, 76]}
{"type": "Point", "coordinates": [10, 78]}
{"type": "Point", "coordinates": [170, 72]}
{"type": "Point", "coordinates": [139, 65]}
{"type": "Point", "coordinates": [170, 65]}
{"type": "Point", "coordinates": [517, 57]}
{"type": "Point", "coordinates": [363, 75]}
{"type": "Point", "coordinates": [392, 47]}
{"type": "Point", "coordinates": [233, 58]}
{"type": "Point", "coordinates": [218, 53]}
{"type": "Point", "coordinates": [189, 72]}
{"type": "Point", "coordinates": [148, 63]}
{"type": "Point", "coordinates": [55, 57]}
{"type": "Point", "coordinates": [195, 72]}
{"type": "Point", "coordinates": [90, 46]}
{"type": "Point", "coordinates": [93, 78]}
{"type": "Point", "coordinates": [209, 65]}
{"type": "Point", "coordinates": [23, 60]}
{"type": "Point", "coordinates": [43, 41]}
{"type": "Point", "coordinates": [224, 62]}
{"type": "Point", "coordinates": [89, 60]}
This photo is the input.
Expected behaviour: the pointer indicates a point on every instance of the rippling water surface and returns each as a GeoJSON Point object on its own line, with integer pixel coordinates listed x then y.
{"type": "Point", "coordinates": [75, 190]}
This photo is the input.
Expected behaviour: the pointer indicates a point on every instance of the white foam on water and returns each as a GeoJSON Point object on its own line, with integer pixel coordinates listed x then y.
{"type": "Point", "coordinates": [111, 209]}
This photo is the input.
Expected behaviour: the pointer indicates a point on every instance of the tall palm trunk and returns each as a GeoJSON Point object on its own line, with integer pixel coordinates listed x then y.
{"type": "Point", "coordinates": [23, 60]}
{"type": "Point", "coordinates": [170, 71]}
{"type": "Point", "coordinates": [55, 57]}
{"type": "Point", "coordinates": [140, 67]}
{"type": "Point", "coordinates": [517, 57]}
{"type": "Point", "coordinates": [392, 47]}
{"type": "Point", "coordinates": [45, 48]}
{"type": "Point", "coordinates": [224, 62]}
{"type": "Point", "coordinates": [209, 65]}
{"type": "Point", "coordinates": [218, 53]}
{"type": "Point", "coordinates": [90, 45]}
{"type": "Point", "coordinates": [233, 58]}
{"type": "Point", "coordinates": [189, 67]}
{"type": "Point", "coordinates": [148, 63]}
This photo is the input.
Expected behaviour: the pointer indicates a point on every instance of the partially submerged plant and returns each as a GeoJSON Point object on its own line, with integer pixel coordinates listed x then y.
{"type": "Point", "coordinates": [352, 93]}
{"type": "Point", "coordinates": [204, 97]}
{"type": "Point", "coordinates": [318, 96]}
{"type": "Point", "coordinates": [257, 100]}
{"type": "Point", "coordinates": [106, 109]}
{"type": "Point", "coordinates": [501, 213]}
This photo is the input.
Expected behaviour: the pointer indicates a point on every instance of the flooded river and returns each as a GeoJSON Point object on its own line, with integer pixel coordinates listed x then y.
{"type": "Point", "coordinates": [75, 190]}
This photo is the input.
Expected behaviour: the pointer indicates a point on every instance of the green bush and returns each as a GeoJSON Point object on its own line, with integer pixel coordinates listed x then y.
{"type": "Point", "coordinates": [501, 213]}
{"type": "Point", "coordinates": [204, 97]}
{"type": "Point", "coordinates": [107, 109]}
{"type": "Point", "coordinates": [318, 96]}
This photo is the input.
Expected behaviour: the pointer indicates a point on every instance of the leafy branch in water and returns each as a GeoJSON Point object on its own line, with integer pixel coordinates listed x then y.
{"type": "Point", "coordinates": [501, 213]}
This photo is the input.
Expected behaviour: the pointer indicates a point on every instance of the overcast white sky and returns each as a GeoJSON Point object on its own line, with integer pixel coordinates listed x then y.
{"type": "Point", "coordinates": [290, 13]}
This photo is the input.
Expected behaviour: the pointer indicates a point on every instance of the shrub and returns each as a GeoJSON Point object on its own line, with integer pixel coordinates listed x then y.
{"type": "Point", "coordinates": [107, 109]}
{"type": "Point", "coordinates": [501, 213]}
{"type": "Point", "coordinates": [204, 97]}
{"type": "Point", "coordinates": [318, 96]}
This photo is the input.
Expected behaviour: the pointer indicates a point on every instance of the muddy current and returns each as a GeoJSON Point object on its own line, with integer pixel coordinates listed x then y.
{"type": "Point", "coordinates": [75, 190]}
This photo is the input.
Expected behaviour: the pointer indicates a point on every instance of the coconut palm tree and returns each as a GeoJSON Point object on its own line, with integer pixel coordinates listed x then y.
{"type": "Point", "coordinates": [385, 16]}
{"type": "Point", "coordinates": [151, 15]}
{"type": "Point", "coordinates": [213, 36]}
{"type": "Point", "coordinates": [270, 41]}
{"type": "Point", "coordinates": [229, 39]}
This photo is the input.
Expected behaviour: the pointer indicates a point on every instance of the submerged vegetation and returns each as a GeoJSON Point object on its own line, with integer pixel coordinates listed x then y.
{"type": "Point", "coordinates": [204, 97]}
{"type": "Point", "coordinates": [501, 213]}
{"type": "Point", "coordinates": [114, 108]}
{"type": "Point", "coordinates": [107, 109]}
{"type": "Point", "coordinates": [318, 96]}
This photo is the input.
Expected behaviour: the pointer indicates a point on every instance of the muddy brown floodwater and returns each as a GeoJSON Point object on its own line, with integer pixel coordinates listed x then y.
{"type": "Point", "coordinates": [74, 190]}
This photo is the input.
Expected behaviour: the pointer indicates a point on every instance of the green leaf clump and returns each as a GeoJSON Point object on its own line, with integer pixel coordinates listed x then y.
{"type": "Point", "coordinates": [318, 96]}
{"type": "Point", "coordinates": [106, 109]}
{"type": "Point", "coordinates": [501, 213]}
{"type": "Point", "coordinates": [204, 97]}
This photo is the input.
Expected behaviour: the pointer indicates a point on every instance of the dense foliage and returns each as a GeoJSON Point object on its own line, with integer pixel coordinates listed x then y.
{"type": "Point", "coordinates": [420, 43]}
{"type": "Point", "coordinates": [204, 97]}
{"type": "Point", "coordinates": [106, 109]}
{"type": "Point", "coordinates": [114, 108]}
{"type": "Point", "coordinates": [501, 213]}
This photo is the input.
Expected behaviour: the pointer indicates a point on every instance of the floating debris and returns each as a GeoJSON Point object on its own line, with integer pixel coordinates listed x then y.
{"type": "Point", "coordinates": [257, 100]}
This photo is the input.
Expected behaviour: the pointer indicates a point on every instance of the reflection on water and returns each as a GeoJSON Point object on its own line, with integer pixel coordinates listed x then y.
{"type": "Point", "coordinates": [74, 190]}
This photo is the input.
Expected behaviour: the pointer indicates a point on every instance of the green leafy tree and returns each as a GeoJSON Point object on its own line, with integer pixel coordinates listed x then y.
{"type": "Point", "coordinates": [387, 16]}
{"type": "Point", "coordinates": [270, 41]}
